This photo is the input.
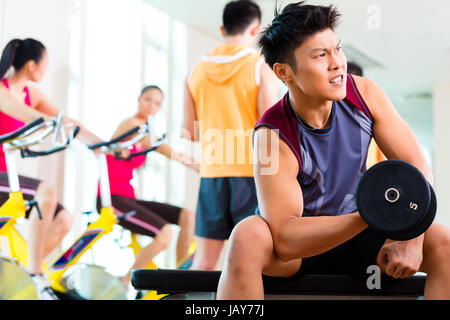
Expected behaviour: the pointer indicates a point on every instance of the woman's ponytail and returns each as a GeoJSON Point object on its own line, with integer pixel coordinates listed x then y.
{"type": "Point", "coordinates": [8, 56]}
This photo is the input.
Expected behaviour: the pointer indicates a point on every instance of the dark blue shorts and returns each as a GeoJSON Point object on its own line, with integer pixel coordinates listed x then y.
{"type": "Point", "coordinates": [222, 203]}
{"type": "Point", "coordinates": [353, 257]}
{"type": "Point", "coordinates": [350, 258]}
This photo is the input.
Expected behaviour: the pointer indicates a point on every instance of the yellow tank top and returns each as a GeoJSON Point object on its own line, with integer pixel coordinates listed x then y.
{"type": "Point", "coordinates": [374, 155]}
{"type": "Point", "coordinates": [224, 86]}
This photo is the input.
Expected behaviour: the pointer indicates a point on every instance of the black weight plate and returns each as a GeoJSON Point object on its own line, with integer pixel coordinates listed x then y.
{"type": "Point", "coordinates": [423, 225]}
{"type": "Point", "coordinates": [404, 214]}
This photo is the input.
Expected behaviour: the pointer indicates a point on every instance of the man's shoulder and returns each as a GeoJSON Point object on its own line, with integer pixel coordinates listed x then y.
{"type": "Point", "coordinates": [370, 92]}
{"type": "Point", "coordinates": [276, 115]}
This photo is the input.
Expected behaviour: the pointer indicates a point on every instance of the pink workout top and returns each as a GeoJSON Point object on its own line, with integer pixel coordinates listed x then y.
{"type": "Point", "coordinates": [9, 124]}
{"type": "Point", "coordinates": [121, 172]}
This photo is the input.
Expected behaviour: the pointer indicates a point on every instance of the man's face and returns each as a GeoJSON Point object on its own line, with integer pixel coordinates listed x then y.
{"type": "Point", "coordinates": [321, 67]}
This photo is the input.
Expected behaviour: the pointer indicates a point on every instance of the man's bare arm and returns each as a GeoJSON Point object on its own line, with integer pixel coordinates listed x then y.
{"type": "Point", "coordinates": [190, 116]}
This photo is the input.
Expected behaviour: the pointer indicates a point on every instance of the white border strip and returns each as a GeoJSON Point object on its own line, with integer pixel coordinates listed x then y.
{"type": "Point", "coordinates": [228, 59]}
{"type": "Point", "coordinates": [258, 71]}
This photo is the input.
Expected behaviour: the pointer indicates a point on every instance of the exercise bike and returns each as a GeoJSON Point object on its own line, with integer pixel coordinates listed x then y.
{"type": "Point", "coordinates": [15, 282]}
{"type": "Point", "coordinates": [88, 281]}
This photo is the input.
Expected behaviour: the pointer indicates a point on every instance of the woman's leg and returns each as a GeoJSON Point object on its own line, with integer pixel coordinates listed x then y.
{"type": "Point", "coordinates": [46, 199]}
{"type": "Point", "coordinates": [146, 222]}
{"type": "Point", "coordinates": [160, 243]}
{"type": "Point", "coordinates": [183, 217]}
{"type": "Point", "coordinates": [58, 229]}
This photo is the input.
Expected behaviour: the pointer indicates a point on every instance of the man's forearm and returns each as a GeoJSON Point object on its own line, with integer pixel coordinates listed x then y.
{"type": "Point", "coordinates": [303, 237]}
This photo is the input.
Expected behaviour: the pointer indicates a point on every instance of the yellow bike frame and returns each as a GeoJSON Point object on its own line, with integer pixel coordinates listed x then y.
{"type": "Point", "coordinates": [13, 209]}
{"type": "Point", "coordinates": [153, 295]}
{"type": "Point", "coordinates": [150, 295]}
{"type": "Point", "coordinates": [94, 232]}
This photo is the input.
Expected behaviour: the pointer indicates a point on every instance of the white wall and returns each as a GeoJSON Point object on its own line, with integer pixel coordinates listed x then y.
{"type": "Point", "coordinates": [24, 19]}
{"type": "Point", "coordinates": [108, 83]}
{"type": "Point", "coordinates": [441, 155]}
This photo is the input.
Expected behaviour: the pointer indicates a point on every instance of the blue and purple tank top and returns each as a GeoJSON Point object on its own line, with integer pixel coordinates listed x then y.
{"type": "Point", "coordinates": [331, 160]}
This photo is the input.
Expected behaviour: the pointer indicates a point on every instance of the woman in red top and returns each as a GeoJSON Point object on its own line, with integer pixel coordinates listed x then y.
{"type": "Point", "coordinates": [153, 219]}
{"type": "Point", "coordinates": [29, 60]}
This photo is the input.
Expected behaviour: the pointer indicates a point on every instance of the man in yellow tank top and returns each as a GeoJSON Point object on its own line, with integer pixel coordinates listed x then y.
{"type": "Point", "coordinates": [226, 93]}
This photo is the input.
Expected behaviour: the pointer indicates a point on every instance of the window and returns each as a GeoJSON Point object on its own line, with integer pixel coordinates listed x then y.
{"type": "Point", "coordinates": [111, 62]}
{"type": "Point", "coordinates": [165, 65]}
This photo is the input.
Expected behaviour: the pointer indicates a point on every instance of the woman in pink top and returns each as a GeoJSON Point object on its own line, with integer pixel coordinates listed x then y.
{"type": "Point", "coordinates": [28, 58]}
{"type": "Point", "coordinates": [153, 219]}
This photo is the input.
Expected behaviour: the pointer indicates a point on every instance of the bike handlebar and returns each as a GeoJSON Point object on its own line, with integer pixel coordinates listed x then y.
{"type": "Point", "coordinates": [21, 131]}
{"type": "Point", "coordinates": [27, 153]}
{"type": "Point", "coordinates": [115, 140]}
{"type": "Point", "coordinates": [160, 142]}
{"type": "Point", "coordinates": [116, 145]}
{"type": "Point", "coordinates": [20, 139]}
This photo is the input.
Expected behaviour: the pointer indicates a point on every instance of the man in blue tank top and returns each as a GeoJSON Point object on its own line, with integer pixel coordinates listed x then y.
{"type": "Point", "coordinates": [319, 135]}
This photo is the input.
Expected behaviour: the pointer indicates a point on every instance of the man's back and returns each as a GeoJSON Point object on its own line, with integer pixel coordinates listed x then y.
{"type": "Point", "coordinates": [224, 86]}
{"type": "Point", "coordinates": [226, 93]}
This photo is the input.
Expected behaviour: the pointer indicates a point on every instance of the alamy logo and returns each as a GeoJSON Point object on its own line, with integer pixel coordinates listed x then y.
{"type": "Point", "coordinates": [235, 147]}
{"type": "Point", "coordinates": [374, 280]}
{"type": "Point", "coordinates": [373, 17]}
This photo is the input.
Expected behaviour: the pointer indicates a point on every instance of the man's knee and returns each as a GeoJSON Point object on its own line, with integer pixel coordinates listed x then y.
{"type": "Point", "coordinates": [438, 239]}
{"type": "Point", "coordinates": [436, 246]}
{"type": "Point", "coordinates": [250, 243]}
{"type": "Point", "coordinates": [208, 253]}
{"type": "Point", "coordinates": [250, 232]}
{"type": "Point", "coordinates": [207, 264]}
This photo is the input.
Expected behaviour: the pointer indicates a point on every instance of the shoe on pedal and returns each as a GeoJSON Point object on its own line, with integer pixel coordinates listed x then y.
{"type": "Point", "coordinates": [43, 287]}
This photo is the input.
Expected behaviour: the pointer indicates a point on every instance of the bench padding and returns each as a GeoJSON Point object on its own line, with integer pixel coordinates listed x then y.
{"type": "Point", "coordinates": [166, 281]}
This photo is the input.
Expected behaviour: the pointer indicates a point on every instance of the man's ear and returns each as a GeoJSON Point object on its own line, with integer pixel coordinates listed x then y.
{"type": "Point", "coordinates": [222, 31]}
{"type": "Point", "coordinates": [283, 71]}
{"type": "Point", "coordinates": [255, 29]}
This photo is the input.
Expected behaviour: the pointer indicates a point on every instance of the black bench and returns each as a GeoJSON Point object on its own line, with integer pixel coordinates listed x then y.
{"type": "Point", "coordinates": [172, 282]}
